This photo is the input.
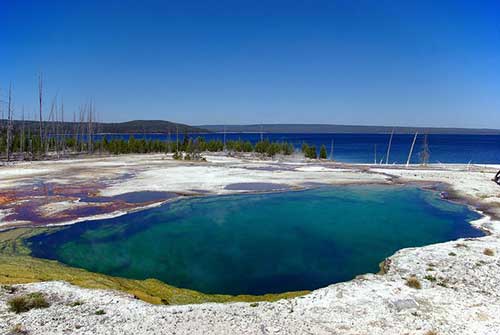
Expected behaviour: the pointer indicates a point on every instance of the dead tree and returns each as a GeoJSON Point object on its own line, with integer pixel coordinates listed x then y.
{"type": "Point", "coordinates": [22, 140]}
{"type": "Point", "coordinates": [2, 126]}
{"type": "Point", "coordinates": [40, 102]}
{"type": "Point", "coordinates": [9, 124]}
{"type": "Point", "coordinates": [53, 110]}
{"type": "Point", "coordinates": [30, 142]}
{"type": "Point", "coordinates": [81, 129]}
{"type": "Point", "coordinates": [425, 154]}
{"type": "Point", "coordinates": [331, 151]}
{"type": "Point", "coordinates": [62, 131]}
{"type": "Point", "coordinates": [389, 147]}
{"type": "Point", "coordinates": [75, 132]}
{"type": "Point", "coordinates": [411, 149]}
{"type": "Point", "coordinates": [90, 127]}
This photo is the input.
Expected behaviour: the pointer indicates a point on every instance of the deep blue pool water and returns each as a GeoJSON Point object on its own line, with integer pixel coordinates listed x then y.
{"type": "Point", "coordinates": [261, 243]}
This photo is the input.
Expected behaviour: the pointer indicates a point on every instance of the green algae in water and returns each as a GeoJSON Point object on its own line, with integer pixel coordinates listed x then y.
{"type": "Point", "coordinates": [261, 243]}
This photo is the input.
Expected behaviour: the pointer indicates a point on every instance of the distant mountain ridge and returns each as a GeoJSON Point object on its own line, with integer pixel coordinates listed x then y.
{"type": "Point", "coordinates": [128, 127]}
{"type": "Point", "coordinates": [344, 129]}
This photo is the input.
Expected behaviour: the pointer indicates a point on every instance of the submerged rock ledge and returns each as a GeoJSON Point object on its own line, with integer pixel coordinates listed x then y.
{"type": "Point", "coordinates": [447, 288]}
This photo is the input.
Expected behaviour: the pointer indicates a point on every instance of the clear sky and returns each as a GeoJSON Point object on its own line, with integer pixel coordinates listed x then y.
{"type": "Point", "coordinates": [372, 62]}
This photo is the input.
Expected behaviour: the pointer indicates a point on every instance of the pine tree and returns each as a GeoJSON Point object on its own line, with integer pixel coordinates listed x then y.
{"type": "Point", "coordinates": [322, 152]}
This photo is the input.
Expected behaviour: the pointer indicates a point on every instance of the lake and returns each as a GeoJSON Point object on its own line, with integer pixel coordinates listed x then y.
{"type": "Point", "coordinates": [360, 148]}
{"type": "Point", "coordinates": [261, 243]}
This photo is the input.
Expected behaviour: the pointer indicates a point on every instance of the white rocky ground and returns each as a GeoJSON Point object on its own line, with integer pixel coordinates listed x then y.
{"type": "Point", "coordinates": [460, 291]}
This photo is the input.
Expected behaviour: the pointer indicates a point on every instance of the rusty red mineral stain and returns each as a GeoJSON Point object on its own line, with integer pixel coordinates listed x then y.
{"type": "Point", "coordinates": [26, 203]}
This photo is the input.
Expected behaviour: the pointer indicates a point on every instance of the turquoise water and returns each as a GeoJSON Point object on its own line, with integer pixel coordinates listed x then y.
{"type": "Point", "coordinates": [261, 243]}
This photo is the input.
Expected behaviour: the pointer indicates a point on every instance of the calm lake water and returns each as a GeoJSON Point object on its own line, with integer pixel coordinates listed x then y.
{"type": "Point", "coordinates": [262, 243]}
{"type": "Point", "coordinates": [360, 148]}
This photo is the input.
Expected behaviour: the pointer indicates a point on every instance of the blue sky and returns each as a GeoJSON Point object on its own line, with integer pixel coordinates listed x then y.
{"type": "Point", "coordinates": [419, 63]}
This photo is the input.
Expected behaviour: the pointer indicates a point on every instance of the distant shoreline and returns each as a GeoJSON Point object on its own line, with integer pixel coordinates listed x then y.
{"type": "Point", "coordinates": [345, 129]}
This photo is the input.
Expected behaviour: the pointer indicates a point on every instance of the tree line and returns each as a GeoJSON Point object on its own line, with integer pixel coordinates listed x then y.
{"type": "Point", "coordinates": [55, 136]}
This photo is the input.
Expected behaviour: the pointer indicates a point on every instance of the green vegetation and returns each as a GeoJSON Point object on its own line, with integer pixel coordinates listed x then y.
{"type": "Point", "coordinates": [430, 278]}
{"type": "Point", "coordinates": [100, 312]}
{"type": "Point", "coordinates": [27, 302]}
{"type": "Point", "coordinates": [31, 146]}
{"type": "Point", "coordinates": [76, 303]}
{"type": "Point", "coordinates": [309, 151]}
{"type": "Point", "coordinates": [9, 289]}
{"type": "Point", "coordinates": [322, 152]}
{"type": "Point", "coordinates": [18, 267]}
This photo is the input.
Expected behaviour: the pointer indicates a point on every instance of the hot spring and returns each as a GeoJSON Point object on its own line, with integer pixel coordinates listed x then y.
{"type": "Point", "coordinates": [261, 243]}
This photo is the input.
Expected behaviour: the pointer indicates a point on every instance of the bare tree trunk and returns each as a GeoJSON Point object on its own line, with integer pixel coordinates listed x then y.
{"type": "Point", "coordinates": [40, 101]}
{"type": "Point", "coordinates": [75, 132]}
{"type": "Point", "coordinates": [52, 124]}
{"type": "Point", "coordinates": [21, 144]}
{"type": "Point", "coordinates": [80, 127]}
{"type": "Point", "coordinates": [177, 130]}
{"type": "Point", "coordinates": [411, 149]}
{"type": "Point", "coordinates": [389, 148]}
{"type": "Point", "coordinates": [30, 142]}
{"type": "Point", "coordinates": [2, 120]}
{"type": "Point", "coordinates": [9, 124]}
{"type": "Point", "coordinates": [63, 138]}
{"type": "Point", "coordinates": [89, 128]}
{"type": "Point", "coordinates": [331, 151]}
{"type": "Point", "coordinates": [425, 154]}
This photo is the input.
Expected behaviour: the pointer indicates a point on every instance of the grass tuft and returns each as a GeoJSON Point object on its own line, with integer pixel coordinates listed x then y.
{"type": "Point", "coordinates": [100, 312]}
{"type": "Point", "coordinates": [18, 330]}
{"type": "Point", "coordinates": [75, 303]}
{"type": "Point", "coordinates": [489, 252]}
{"type": "Point", "coordinates": [24, 303]}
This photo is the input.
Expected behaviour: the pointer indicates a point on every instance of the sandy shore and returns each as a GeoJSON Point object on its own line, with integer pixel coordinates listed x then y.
{"type": "Point", "coordinates": [459, 293]}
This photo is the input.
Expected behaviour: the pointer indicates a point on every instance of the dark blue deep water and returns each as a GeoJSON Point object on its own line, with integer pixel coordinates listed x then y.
{"type": "Point", "coordinates": [261, 243]}
{"type": "Point", "coordinates": [360, 148]}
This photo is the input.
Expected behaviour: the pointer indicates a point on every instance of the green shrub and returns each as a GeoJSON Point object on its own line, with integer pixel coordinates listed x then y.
{"type": "Point", "coordinates": [177, 155]}
{"type": "Point", "coordinates": [100, 312]}
{"type": "Point", "coordinates": [430, 278]}
{"type": "Point", "coordinates": [76, 303]}
{"type": "Point", "coordinates": [9, 288]}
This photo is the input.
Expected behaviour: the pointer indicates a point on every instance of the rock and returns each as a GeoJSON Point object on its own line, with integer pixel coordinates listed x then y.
{"type": "Point", "coordinates": [403, 304]}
